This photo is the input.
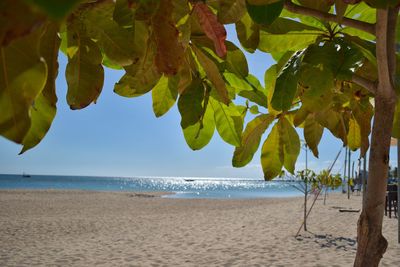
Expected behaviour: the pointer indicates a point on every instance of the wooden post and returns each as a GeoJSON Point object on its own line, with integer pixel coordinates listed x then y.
{"type": "Point", "coordinates": [349, 173]}
{"type": "Point", "coordinates": [398, 190]}
{"type": "Point", "coordinates": [344, 171]}
{"type": "Point", "coordinates": [359, 173]}
{"type": "Point", "coordinates": [364, 180]}
{"type": "Point", "coordinates": [305, 192]}
{"type": "Point", "coordinates": [352, 175]}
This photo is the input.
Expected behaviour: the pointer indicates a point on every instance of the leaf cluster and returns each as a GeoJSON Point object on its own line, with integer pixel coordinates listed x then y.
{"type": "Point", "coordinates": [324, 179]}
{"type": "Point", "coordinates": [177, 50]}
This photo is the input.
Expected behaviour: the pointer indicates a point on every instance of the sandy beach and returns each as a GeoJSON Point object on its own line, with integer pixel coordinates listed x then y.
{"type": "Point", "coordinates": [76, 228]}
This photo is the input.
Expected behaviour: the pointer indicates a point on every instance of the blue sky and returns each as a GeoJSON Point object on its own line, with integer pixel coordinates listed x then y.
{"type": "Point", "coordinates": [122, 137]}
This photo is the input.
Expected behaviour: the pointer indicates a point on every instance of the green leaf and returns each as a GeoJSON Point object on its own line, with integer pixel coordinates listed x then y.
{"type": "Point", "coordinates": [339, 56]}
{"type": "Point", "coordinates": [284, 25]}
{"type": "Point", "coordinates": [333, 121]}
{"type": "Point", "coordinates": [142, 40]}
{"type": "Point", "coordinates": [84, 72]}
{"type": "Point", "coordinates": [199, 134]}
{"type": "Point", "coordinates": [286, 83]}
{"type": "Point", "coordinates": [254, 110]}
{"type": "Point", "coordinates": [251, 140]}
{"type": "Point", "coordinates": [213, 74]}
{"type": "Point", "coordinates": [185, 77]}
{"type": "Point", "coordinates": [361, 12]}
{"type": "Point", "coordinates": [287, 35]}
{"type": "Point", "coordinates": [272, 154]}
{"type": "Point", "coordinates": [396, 121]}
{"type": "Point", "coordinates": [236, 82]}
{"type": "Point", "coordinates": [16, 99]}
{"type": "Point", "coordinates": [265, 14]}
{"type": "Point", "coordinates": [248, 33]}
{"type": "Point", "coordinates": [43, 110]}
{"type": "Point", "coordinates": [56, 9]}
{"type": "Point", "coordinates": [258, 94]}
{"type": "Point", "coordinates": [312, 134]}
{"type": "Point", "coordinates": [308, 20]}
{"type": "Point", "coordinates": [291, 144]}
{"type": "Point", "coordinates": [23, 77]}
{"type": "Point", "coordinates": [123, 15]}
{"type": "Point", "coordinates": [146, 9]}
{"type": "Point", "coordinates": [354, 136]}
{"type": "Point", "coordinates": [236, 61]}
{"type": "Point", "coordinates": [317, 80]}
{"type": "Point", "coordinates": [315, 99]}
{"type": "Point", "coordinates": [363, 112]}
{"type": "Point", "coordinates": [270, 82]}
{"type": "Point", "coordinates": [367, 48]}
{"type": "Point", "coordinates": [293, 41]}
{"type": "Point", "coordinates": [17, 19]}
{"type": "Point", "coordinates": [300, 116]}
{"type": "Point", "coordinates": [164, 94]}
{"type": "Point", "coordinates": [115, 41]}
{"type": "Point", "coordinates": [140, 77]}
{"type": "Point", "coordinates": [230, 11]}
{"type": "Point", "coordinates": [249, 88]}
{"type": "Point", "coordinates": [181, 15]}
{"type": "Point", "coordinates": [228, 121]}
{"type": "Point", "coordinates": [190, 103]}
{"type": "Point", "coordinates": [262, 2]}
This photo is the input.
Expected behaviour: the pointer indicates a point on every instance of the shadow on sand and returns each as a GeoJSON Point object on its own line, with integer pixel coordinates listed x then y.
{"type": "Point", "coordinates": [329, 241]}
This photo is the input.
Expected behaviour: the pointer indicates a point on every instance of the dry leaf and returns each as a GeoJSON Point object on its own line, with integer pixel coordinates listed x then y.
{"type": "Point", "coordinates": [211, 27]}
{"type": "Point", "coordinates": [169, 50]}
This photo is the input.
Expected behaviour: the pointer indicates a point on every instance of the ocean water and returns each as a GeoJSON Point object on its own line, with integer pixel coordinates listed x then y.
{"type": "Point", "coordinates": [221, 188]}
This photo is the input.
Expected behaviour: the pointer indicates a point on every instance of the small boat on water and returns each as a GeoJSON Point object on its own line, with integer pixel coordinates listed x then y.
{"type": "Point", "coordinates": [189, 180]}
{"type": "Point", "coordinates": [25, 175]}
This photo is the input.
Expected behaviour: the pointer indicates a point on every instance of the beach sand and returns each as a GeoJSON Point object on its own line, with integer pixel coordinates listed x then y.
{"type": "Point", "coordinates": [77, 228]}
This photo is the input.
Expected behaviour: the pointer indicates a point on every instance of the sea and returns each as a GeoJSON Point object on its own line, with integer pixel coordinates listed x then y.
{"type": "Point", "coordinates": [182, 187]}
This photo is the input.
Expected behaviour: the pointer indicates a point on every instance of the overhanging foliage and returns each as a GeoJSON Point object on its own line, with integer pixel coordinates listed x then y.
{"type": "Point", "coordinates": [323, 77]}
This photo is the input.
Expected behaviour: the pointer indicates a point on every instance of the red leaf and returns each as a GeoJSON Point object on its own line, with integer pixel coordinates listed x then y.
{"type": "Point", "coordinates": [212, 28]}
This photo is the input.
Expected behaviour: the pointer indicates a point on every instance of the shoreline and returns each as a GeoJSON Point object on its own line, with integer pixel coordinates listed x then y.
{"type": "Point", "coordinates": [97, 228]}
{"type": "Point", "coordinates": [161, 194]}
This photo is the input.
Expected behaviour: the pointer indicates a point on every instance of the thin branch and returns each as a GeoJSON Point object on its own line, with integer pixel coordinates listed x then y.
{"type": "Point", "coordinates": [360, 25]}
{"type": "Point", "coordinates": [365, 83]}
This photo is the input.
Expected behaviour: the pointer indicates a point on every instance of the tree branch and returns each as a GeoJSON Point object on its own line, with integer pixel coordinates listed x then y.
{"type": "Point", "coordinates": [365, 83]}
{"type": "Point", "coordinates": [360, 25]}
{"type": "Point", "coordinates": [391, 41]}
{"type": "Point", "coordinates": [386, 50]}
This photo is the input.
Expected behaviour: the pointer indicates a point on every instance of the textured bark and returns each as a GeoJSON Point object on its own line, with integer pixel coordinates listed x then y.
{"type": "Point", "coordinates": [371, 244]}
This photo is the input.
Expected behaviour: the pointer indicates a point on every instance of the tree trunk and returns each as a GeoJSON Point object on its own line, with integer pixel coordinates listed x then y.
{"type": "Point", "coordinates": [371, 244]}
